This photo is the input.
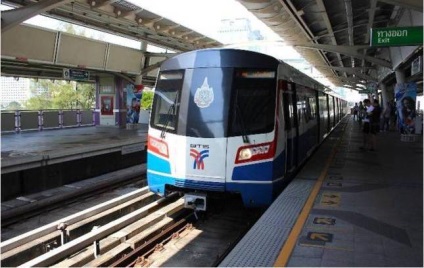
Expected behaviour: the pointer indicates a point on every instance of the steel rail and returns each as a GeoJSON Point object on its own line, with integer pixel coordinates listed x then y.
{"type": "Point", "coordinates": [19, 213]}
{"type": "Point", "coordinates": [139, 254]}
{"type": "Point", "coordinates": [68, 249]}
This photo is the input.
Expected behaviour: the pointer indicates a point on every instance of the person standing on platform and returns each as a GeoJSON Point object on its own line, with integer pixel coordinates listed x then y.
{"type": "Point", "coordinates": [374, 117]}
{"type": "Point", "coordinates": [355, 112]}
{"type": "Point", "coordinates": [361, 113]}
{"type": "Point", "coordinates": [366, 126]}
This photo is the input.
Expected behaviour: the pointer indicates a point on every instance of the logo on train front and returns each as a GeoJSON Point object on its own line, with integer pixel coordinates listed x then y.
{"type": "Point", "coordinates": [204, 95]}
{"type": "Point", "coordinates": [198, 158]}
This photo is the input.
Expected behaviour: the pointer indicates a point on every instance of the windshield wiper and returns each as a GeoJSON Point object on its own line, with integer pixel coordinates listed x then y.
{"type": "Point", "coordinates": [241, 123]}
{"type": "Point", "coordinates": [171, 110]}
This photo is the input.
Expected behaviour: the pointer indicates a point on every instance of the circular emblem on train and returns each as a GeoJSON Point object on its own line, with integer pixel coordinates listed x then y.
{"type": "Point", "coordinates": [204, 95]}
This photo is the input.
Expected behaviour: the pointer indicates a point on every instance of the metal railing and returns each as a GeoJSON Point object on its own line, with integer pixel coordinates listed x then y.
{"type": "Point", "coordinates": [22, 120]}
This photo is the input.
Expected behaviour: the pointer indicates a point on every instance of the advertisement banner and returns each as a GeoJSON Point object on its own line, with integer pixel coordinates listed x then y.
{"type": "Point", "coordinates": [106, 103]}
{"type": "Point", "coordinates": [405, 95]}
{"type": "Point", "coordinates": [133, 101]}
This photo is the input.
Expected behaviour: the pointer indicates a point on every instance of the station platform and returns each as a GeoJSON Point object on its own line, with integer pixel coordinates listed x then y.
{"type": "Point", "coordinates": [35, 161]}
{"type": "Point", "coordinates": [346, 207]}
{"type": "Point", "coordinates": [37, 148]}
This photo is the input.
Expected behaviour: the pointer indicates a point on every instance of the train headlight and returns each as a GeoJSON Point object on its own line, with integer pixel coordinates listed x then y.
{"type": "Point", "coordinates": [157, 146]}
{"type": "Point", "coordinates": [255, 152]}
{"type": "Point", "coordinates": [245, 154]}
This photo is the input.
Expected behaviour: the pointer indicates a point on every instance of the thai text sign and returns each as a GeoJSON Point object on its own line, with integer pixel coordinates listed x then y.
{"type": "Point", "coordinates": [398, 36]}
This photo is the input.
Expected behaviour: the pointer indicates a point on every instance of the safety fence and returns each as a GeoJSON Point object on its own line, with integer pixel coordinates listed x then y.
{"type": "Point", "coordinates": [21, 120]}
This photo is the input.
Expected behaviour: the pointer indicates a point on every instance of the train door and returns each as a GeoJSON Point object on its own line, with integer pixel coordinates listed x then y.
{"type": "Point", "coordinates": [333, 101]}
{"type": "Point", "coordinates": [323, 112]}
{"type": "Point", "coordinates": [328, 114]}
{"type": "Point", "coordinates": [319, 117]}
{"type": "Point", "coordinates": [338, 109]}
{"type": "Point", "coordinates": [251, 138]}
{"type": "Point", "coordinates": [290, 118]}
{"type": "Point", "coordinates": [333, 112]}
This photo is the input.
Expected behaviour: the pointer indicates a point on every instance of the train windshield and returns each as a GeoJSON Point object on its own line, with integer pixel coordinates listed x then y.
{"type": "Point", "coordinates": [166, 101]}
{"type": "Point", "coordinates": [214, 102]}
{"type": "Point", "coordinates": [253, 109]}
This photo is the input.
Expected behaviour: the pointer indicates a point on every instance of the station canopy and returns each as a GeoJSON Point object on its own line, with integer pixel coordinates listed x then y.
{"type": "Point", "coordinates": [333, 35]}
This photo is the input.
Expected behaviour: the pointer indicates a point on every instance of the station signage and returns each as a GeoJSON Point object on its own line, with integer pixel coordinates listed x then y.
{"type": "Point", "coordinates": [396, 36]}
{"type": "Point", "coordinates": [417, 66]}
{"type": "Point", "coordinates": [364, 91]}
{"type": "Point", "coordinates": [75, 74]}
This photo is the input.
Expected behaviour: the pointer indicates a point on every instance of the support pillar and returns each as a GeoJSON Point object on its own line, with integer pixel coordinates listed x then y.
{"type": "Point", "coordinates": [120, 110]}
{"type": "Point", "coordinates": [107, 100]}
{"type": "Point", "coordinates": [138, 82]}
{"type": "Point", "coordinates": [400, 76]}
{"type": "Point", "coordinates": [384, 95]}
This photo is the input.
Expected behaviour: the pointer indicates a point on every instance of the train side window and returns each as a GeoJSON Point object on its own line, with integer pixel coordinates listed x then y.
{"type": "Point", "coordinates": [311, 103]}
{"type": "Point", "coordinates": [300, 109]}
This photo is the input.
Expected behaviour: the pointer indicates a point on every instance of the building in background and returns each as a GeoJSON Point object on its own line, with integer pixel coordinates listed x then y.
{"type": "Point", "coordinates": [14, 90]}
{"type": "Point", "coordinates": [239, 31]}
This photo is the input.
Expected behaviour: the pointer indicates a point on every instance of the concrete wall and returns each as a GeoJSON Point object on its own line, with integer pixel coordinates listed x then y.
{"type": "Point", "coordinates": [401, 54]}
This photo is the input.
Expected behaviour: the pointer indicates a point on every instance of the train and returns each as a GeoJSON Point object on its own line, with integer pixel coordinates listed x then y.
{"type": "Point", "coordinates": [233, 121]}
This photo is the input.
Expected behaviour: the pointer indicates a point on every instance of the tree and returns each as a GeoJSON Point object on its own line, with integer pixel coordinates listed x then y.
{"type": "Point", "coordinates": [64, 95]}
{"type": "Point", "coordinates": [61, 95]}
{"type": "Point", "coordinates": [38, 103]}
{"type": "Point", "coordinates": [14, 105]}
{"type": "Point", "coordinates": [147, 100]}
{"type": "Point", "coordinates": [86, 95]}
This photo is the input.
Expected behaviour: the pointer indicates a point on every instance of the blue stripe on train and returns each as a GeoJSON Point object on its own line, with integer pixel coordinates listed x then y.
{"type": "Point", "coordinates": [158, 164]}
{"type": "Point", "coordinates": [253, 172]}
{"type": "Point", "coordinates": [257, 194]}
{"type": "Point", "coordinates": [266, 171]}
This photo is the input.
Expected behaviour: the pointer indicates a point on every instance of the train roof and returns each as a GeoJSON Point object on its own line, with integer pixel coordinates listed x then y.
{"type": "Point", "coordinates": [289, 73]}
{"type": "Point", "coordinates": [232, 57]}
{"type": "Point", "coordinates": [220, 57]}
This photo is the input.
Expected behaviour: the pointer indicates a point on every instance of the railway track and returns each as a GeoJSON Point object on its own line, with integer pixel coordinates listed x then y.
{"type": "Point", "coordinates": [59, 197]}
{"type": "Point", "coordinates": [70, 234]}
{"type": "Point", "coordinates": [204, 243]}
{"type": "Point", "coordinates": [132, 230]}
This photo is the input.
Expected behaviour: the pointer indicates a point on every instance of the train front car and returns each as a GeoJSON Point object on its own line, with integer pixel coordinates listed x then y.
{"type": "Point", "coordinates": [212, 127]}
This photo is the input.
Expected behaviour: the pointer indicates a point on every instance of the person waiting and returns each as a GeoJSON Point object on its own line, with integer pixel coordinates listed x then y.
{"type": "Point", "coordinates": [355, 112]}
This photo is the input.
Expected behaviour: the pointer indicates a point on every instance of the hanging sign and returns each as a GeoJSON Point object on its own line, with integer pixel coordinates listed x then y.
{"type": "Point", "coordinates": [396, 36]}
{"type": "Point", "coordinates": [74, 74]}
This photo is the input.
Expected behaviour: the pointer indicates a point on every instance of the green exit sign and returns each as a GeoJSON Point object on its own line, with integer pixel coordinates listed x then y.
{"type": "Point", "coordinates": [398, 36]}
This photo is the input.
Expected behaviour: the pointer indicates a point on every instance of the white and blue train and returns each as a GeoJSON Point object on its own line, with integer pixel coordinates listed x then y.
{"type": "Point", "coordinates": [234, 121]}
